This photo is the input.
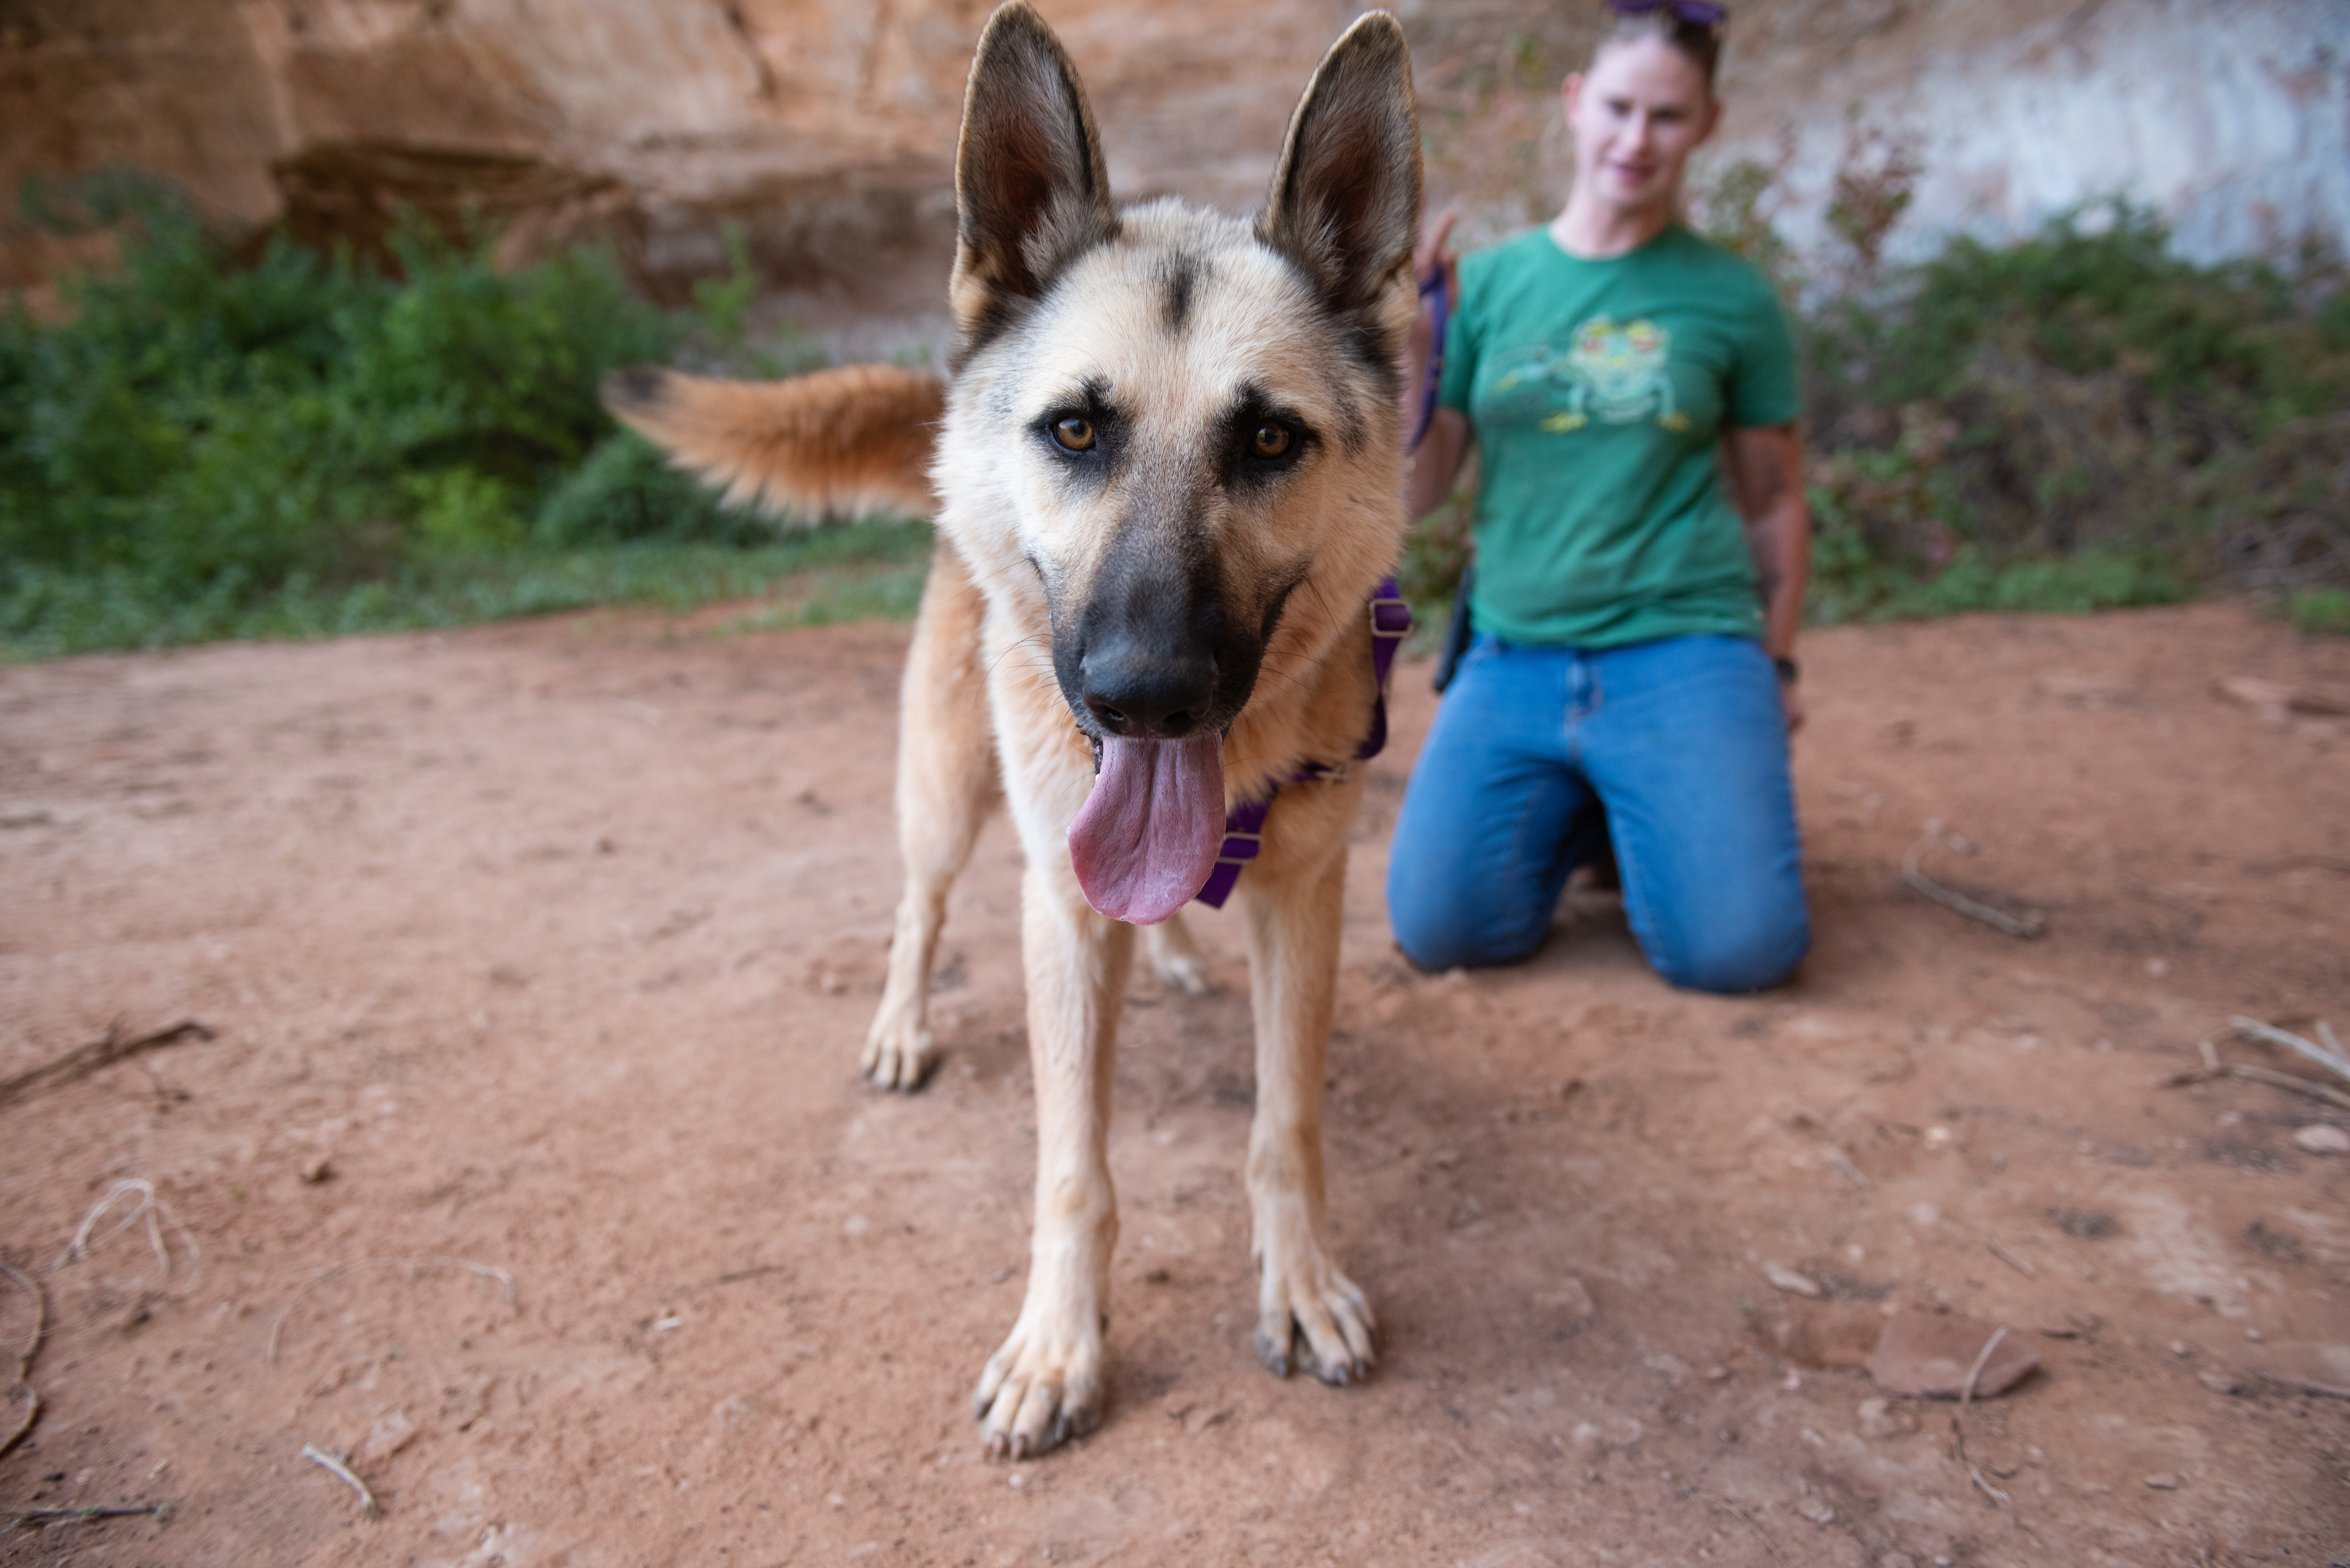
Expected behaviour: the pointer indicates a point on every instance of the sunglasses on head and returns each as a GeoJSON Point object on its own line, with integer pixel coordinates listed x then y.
{"type": "Point", "coordinates": [1696, 13]}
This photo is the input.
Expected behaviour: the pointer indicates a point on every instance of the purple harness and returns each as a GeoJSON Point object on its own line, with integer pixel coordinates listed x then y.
{"type": "Point", "coordinates": [1390, 623]}
{"type": "Point", "coordinates": [1244, 823]}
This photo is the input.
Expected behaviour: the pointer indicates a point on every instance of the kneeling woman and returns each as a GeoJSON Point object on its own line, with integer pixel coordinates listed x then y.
{"type": "Point", "coordinates": [1632, 680]}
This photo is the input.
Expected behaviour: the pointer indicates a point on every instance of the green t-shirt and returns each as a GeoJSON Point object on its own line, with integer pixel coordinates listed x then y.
{"type": "Point", "coordinates": [1598, 391]}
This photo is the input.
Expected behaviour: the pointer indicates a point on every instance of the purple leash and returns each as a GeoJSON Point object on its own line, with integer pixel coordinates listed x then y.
{"type": "Point", "coordinates": [1431, 289]}
{"type": "Point", "coordinates": [1390, 623]}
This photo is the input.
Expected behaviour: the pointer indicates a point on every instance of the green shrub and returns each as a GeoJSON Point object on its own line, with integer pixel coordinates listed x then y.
{"type": "Point", "coordinates": [2105, 394]}
{"type": "Point", "coordinates": [2320, 611]}
{"type": "Point", "coordinates": [862, 569]}
{"type": "Point", "coordinates": [628, 491]}
{"type": "Point", "coordinates": [300, 445]}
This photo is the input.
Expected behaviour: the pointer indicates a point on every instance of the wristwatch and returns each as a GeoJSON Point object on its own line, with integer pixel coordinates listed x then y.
{"type": "Point", "coordinates": [1789, 670]}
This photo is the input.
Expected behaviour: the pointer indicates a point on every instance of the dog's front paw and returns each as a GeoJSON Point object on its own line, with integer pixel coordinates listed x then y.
{"type": "Point", "coordinates": [1041, 1389]}
{"type": "Point", "coordinates": [1175, 959]}
{"type": "Point", "coordinates": [1305, 1298]}
{"type": "Point", "coordinates": [898, 1050]}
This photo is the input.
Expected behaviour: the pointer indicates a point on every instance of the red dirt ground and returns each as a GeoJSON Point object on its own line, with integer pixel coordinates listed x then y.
{"type": "Point", "coordinates": [556, 942]}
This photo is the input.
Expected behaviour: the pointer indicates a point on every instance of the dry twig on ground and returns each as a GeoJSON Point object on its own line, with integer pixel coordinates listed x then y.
{"type": "Point", "coordinates": [103, 1052]}
{"type": "Point", "coordinates": [2009, 1259]}
{"type": "Point", "coordinates": [340, 1469]}
{"type": "Point", "coordinates": [1958, 1425]}
{"type": "Point", "coordinates": [31, 1287]}
{"type": "Point", "coordinates": [2332, 1096]}
{"type": "Point", "coordinates": [159, 1511]}
{"type": "Point", "coordinates": [2331, 1060]}
{"type": "Point", "coordinates": [2032, 923]}
{"type": "Point", "coordinates": [152, 1209]}
{"type": "Point", "coordinates": [2214, 1068]}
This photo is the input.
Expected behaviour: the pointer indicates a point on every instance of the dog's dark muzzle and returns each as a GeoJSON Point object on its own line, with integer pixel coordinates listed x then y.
{"type": "Point", "coordinates": [1145, 691]}
{"type": "Point", "coordinates": [1152, 655]}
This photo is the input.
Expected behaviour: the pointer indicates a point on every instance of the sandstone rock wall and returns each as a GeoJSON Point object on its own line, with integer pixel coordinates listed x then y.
{"type": "Point", "coordinates": [826, 126]}
{"type": "Point", "coordinates": [2233, 119]}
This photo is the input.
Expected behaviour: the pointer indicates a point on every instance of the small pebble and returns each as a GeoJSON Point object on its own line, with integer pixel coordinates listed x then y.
{"type": "Point", "coordinates": [2255, 1335]}
{"type": "Point", "coordinates": [1816, 1509]}
{"type": "Point", "coordinates": [2218, 1382]}
{"type": "Point", "coordinates": [1786, 1279]}
{"type": "Point", "coordinates": [2164, 1481]}
{"type": "Point", "coordinates": [2180, 1348]}
{"type": "Point", "coordinates": [1018, 1481]}
{"type": "Point", "coordinates": [2320, 1138]}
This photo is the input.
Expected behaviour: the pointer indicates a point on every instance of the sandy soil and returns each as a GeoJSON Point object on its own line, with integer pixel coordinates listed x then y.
{"type": "Point", "coordinates": [549, 947]}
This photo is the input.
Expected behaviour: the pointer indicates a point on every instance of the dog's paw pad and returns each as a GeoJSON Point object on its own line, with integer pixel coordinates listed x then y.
{"type": "Point", "coordinates": [1187, 975]}
{"type": "Point", "coordinates": [1031, 1402]}
{"type": "Point", "coordinates": [1177, 961]}
{"type": "Point", "coordinates": [1328, 1333]}
{"type": "Point", "coordinates": [898, 1056]}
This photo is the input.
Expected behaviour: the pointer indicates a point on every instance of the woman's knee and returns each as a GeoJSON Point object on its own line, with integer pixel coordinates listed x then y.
{"type": "Point", "coordinates": [1733, 956]}
{"type": "Point", "coordinates": [1451, 927]}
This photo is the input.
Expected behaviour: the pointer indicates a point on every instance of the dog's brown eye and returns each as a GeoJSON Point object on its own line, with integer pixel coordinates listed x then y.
{"type": "Point", "coordinates": [1271, 440]}
{"type": "Point", "coordinates": [1074, 434]}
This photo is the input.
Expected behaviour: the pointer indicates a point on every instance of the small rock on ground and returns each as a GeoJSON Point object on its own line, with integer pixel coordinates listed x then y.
{"type": "Point", "coordinates": [1928, 1353]}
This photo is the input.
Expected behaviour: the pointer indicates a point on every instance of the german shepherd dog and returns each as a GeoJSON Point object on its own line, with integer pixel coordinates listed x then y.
{"type": "Point", "coordinates": [1166, 479]}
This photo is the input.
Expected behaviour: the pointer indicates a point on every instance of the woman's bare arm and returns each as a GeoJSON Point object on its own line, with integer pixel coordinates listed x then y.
{"type": "Point", "coordinates": [1766, 485]}
{"type": "Point", "coordinates": [1435, 464]}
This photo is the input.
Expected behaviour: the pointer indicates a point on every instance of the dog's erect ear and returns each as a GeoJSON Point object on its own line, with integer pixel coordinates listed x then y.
{"type": "Point", "coordinates": [1030, 190]}
{"type": "Point", "coordinates": [1345, 203]}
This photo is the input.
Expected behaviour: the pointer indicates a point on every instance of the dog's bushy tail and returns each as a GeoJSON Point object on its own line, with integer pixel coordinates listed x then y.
{"type": "Point", "coordinates": [830, 443]}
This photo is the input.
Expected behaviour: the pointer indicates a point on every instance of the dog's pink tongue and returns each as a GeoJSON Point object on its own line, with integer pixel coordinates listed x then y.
{"type": "Point", "coordinates": [1150, 831]}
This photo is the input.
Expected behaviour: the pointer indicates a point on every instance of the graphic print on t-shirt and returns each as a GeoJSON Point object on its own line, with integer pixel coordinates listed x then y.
{"type": "Point", "coordinates": [1612, 371]}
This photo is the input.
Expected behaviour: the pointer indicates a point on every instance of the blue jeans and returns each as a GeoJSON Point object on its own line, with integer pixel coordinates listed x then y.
{"type": "Point", "coordinates": [1676, 750]}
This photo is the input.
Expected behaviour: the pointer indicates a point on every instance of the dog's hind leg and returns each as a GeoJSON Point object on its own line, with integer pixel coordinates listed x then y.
{"type": "Point", "coordinates": [1175, 959]}
{"type": "Point", "coordinates": [946, 782]}
{"type": "Point", "coordinates": [1293, 922]}
{"type": "Point", "coordinates": [1045, 1383]}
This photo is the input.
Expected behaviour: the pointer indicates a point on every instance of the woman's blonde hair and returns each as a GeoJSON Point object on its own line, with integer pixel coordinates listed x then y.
{"type": "Point", "coordinates": [1700, 43]}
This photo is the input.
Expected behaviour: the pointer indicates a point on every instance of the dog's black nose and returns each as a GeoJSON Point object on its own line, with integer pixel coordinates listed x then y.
{"type": "Point", "coordinates": [1130, 693]}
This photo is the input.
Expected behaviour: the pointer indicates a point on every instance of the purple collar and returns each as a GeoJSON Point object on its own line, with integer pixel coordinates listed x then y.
{"type": "Point", "coordinates": [1244, 823]}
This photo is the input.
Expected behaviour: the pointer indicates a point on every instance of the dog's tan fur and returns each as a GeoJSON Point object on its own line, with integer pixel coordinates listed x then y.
{"type": "Point", "coordinates": [1177, 313]}
{"type": "Point", "coordinates": [833, 443]}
